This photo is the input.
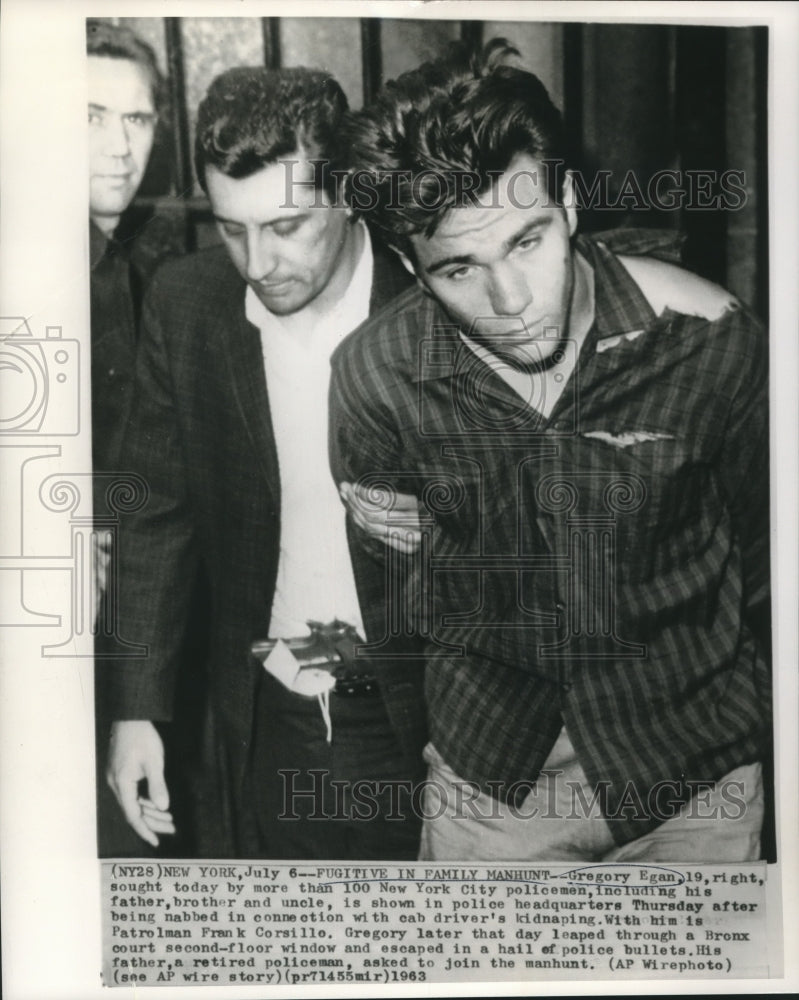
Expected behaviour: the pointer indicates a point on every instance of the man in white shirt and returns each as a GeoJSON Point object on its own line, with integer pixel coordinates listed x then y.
{"type": "Point", "coordinates": [229, 431]}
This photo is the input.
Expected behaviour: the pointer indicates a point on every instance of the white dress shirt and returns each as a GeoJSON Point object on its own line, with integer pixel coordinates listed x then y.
{"type": "Point", "coordinates": [314, 578]}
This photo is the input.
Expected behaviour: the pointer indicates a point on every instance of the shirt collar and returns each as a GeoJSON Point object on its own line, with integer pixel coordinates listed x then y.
{"type": "Point", "coordinates": [97, 244]}
{"type": "Point", "coordinates": [437, 353]}
{"type": "Point", "coordinates": [359, 290]}
{"type": "Point", "coordinates": [102, 246]}
{"type": "Point", "coordinates": [619, 304]}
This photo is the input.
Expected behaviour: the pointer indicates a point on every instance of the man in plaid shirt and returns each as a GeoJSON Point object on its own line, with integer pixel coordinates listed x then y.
{"type": "Point", "coordinates": [574, 438]}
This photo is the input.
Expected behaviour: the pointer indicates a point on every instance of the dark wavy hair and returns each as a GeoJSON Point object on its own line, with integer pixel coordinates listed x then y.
{"type": "Point", "coordinates": [462, 117]}
{"type": "Point", "coordinates": [118, 42]}
{"type": "Point", "coordinates": [252, 117]}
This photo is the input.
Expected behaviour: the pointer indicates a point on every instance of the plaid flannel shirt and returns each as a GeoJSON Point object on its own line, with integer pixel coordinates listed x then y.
{"type": "Point", "coordinates": [595, 567]}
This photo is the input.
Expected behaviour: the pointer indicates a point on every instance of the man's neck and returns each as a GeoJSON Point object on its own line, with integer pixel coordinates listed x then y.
{"type": "Point", "coordinates": [542, 389]}
{"type": "Point", "coordinates": [552, 383]}
{"type": "Point", "coordinates": [581, 313]}
{"type": "Point", "coordinates": [106, 224]}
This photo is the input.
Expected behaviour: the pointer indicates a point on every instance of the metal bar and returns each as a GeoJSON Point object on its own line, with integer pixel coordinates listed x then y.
{"type": "Point", "coordinates": [180, 119]}
{"type": "Point", "coordinates": [700, 128]}
{"type": "Point", "coordinates": [761, 43]}
{"type": "Point", "coordinates": [472, 34]}
{"type": "Point", "coordinates": [270, 28]}
{"type": "Point", "coordinates": [573, 90]}
{"type": "Point", "coordinates": [371, 57]}
{"type": "Point", "coordinates": [172, 203]}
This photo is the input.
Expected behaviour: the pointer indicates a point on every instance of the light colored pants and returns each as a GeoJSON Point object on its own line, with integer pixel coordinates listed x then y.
{"type": "Point", "coordinates": [554, 824]}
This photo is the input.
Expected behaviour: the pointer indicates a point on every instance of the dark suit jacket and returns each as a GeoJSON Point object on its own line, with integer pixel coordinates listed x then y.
{"type": "Point", "coordinates": [113, 346]}
{"type": "Point", "coordinates": [201, 438]}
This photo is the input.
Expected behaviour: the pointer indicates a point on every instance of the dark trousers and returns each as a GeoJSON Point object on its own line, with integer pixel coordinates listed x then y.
{"type": "Point", "coordinates": [345, 799]}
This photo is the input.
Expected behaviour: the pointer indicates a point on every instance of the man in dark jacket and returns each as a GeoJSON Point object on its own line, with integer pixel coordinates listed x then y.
{"type": "Point", "coordinates": [125, 98]}
{"type": "Point", "coordinates": [229, 433]}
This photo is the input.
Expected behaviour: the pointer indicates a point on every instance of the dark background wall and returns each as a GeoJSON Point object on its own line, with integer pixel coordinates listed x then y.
{"type": "Point", "coordinates": [636, 98]}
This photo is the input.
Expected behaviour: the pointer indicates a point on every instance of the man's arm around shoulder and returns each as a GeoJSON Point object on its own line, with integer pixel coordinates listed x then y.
{"type": "Point", "coordinates": [743, 466]}
{"type": "Point", "coordinates": [666, 286]}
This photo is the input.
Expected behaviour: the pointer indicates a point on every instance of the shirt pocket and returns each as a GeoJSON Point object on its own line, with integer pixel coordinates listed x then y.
{"type": "Point", "coordinates": [644, 492]}
{"type": "Point", "coordinates": [673, 521]}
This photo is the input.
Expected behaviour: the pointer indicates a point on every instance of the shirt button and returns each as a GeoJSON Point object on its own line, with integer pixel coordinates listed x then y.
{"type": "Point", "coordinates": [565, 688]}
{"type": "Point", "coordinates": [560, 606]}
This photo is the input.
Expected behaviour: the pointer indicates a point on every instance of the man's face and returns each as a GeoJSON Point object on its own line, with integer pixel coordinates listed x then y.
{"type": "Point", "coordinates": [503, 270]}
{"type": "Point", "coordinates": [284, 237]}
{"type": "Point", "coordinates": [122, 123]}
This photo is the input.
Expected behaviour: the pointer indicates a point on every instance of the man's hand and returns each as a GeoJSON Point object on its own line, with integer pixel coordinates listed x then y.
{"type": "Point", "coordinates": [136, 752]}
{"type": "Point", "coordinates": [391, 518]}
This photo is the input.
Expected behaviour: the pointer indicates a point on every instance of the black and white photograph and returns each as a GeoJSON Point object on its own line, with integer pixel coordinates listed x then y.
{"type": "Point", "coordinates": [402, 479]}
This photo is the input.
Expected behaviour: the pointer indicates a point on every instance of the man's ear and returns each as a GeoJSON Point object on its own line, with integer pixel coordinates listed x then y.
{"type": "Point", "coordinates": [570, 202]}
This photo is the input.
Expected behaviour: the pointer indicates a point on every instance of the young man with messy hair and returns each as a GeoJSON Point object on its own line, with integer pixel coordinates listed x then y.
{"type": "Point", "coordinates": [586, 427]}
